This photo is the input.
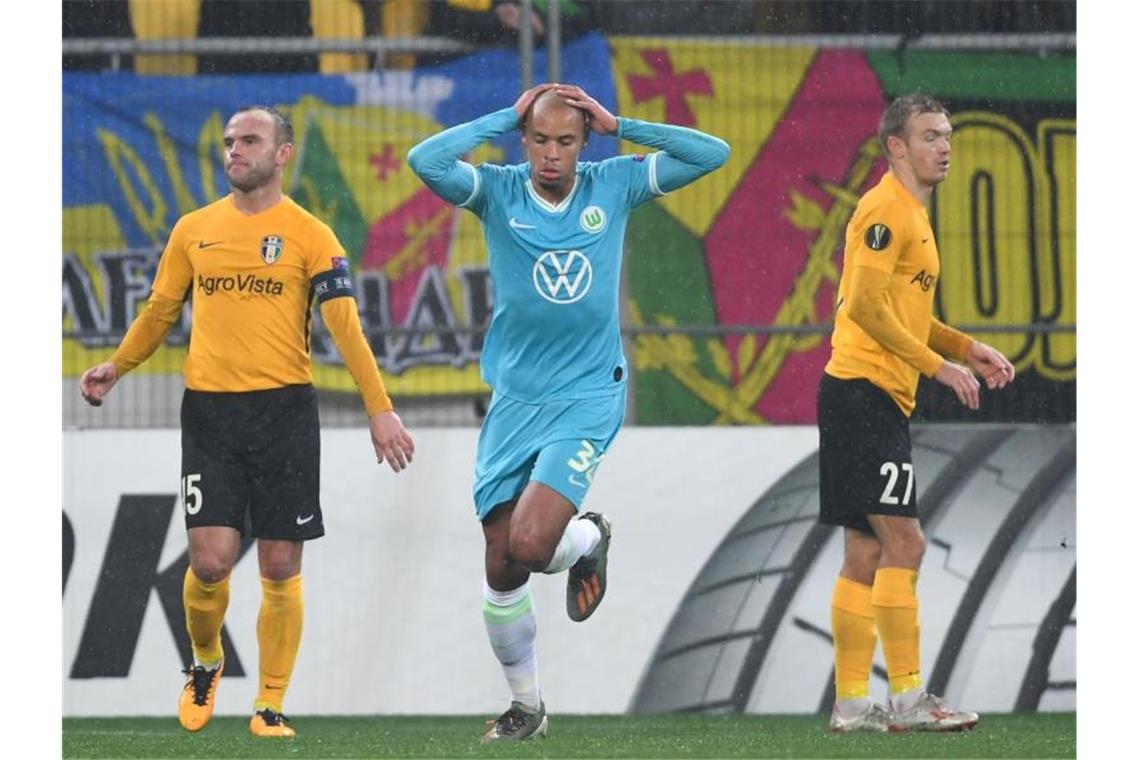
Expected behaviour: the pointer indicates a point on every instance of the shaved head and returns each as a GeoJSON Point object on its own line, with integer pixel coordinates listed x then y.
{"type": "Point", "coordinates": [553, 134]}
{"type": "Point", "coordinates": [552, 109]}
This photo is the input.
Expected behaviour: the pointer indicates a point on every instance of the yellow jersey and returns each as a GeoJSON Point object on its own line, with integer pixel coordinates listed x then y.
{"type": "Point", "coordinates": [251, 280]}
{"type": "Point", "coordinates": [890, 256]}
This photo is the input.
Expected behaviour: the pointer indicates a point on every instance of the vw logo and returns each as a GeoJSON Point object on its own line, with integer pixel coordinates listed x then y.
{"type": "Point", "coordinates": [563, 276]}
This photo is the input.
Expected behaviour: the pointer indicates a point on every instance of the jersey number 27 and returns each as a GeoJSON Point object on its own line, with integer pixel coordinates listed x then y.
{"type": "Point", "coordinates": [891, 471]}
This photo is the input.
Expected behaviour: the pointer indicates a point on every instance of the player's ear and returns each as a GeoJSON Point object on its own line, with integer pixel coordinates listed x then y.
{"type": "Point", "coordinates": [285, 152]}
{"type": "Point", "coordinates": [894, 143]}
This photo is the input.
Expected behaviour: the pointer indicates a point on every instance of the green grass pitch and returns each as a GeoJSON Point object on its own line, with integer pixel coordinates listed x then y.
{"type": "Point", "coordinates": [1027, 735]}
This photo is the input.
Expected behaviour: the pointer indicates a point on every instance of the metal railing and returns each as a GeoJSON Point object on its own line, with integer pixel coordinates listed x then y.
{"type": "Point", "coordinates": [313, 45]}
{"type": "Point", "coordinates": [630, 331]}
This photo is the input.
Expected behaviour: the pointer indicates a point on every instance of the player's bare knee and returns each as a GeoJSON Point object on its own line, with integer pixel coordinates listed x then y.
{"type": "Point", "coordinates": [279, 566]}
{"type": "Point", "coordinates": [280, 571]}
{"type": "Point", "coordinates": [497, 562]}
{"type": "Point", "coordinates": [917, 549]}
{"type": "Point", "coordinates": [862, 553]}
{"type": "Point", "coordinates": [530, 551]}
{"type": "Point", "coordinates": [860, 567]}
{"type": "Point", "coordinates": [279, 560]}
{"type": "Point", "coordinates": [904, 551]}
{"type": "Point", "coordinates": [915, 546]}
{"type": "Point", "coordinates": [210, 568]}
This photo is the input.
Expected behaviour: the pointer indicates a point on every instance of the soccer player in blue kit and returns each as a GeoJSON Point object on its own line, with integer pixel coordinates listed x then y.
{"type": "Point", "coordinates": [555, 231]}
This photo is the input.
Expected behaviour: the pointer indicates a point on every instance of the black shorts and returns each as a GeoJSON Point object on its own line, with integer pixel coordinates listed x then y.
{"type": "Point", "coordinates": [865, 464]}
{"type": "Point", "coordinates": [253, 459]}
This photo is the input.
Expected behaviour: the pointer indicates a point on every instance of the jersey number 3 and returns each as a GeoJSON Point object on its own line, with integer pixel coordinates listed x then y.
{"type": "Point", "coordinates": [891, 471]}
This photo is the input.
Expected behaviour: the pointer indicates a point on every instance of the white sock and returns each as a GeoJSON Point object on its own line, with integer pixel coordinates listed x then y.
{"type": "Point", "coordinates": [512, 630]}
{"type": "Point", "coordinates": [579, 538]}
{"type": "Point", "coordinates": [849, 708]}
{"type": "Point", "coordinates": [904, 701]}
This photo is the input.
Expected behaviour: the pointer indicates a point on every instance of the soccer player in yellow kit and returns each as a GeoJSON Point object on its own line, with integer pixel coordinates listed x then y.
{"type": "Point", "coordinates": [885, 334]}
{"type": "Point", "coordinates": [252, 264]}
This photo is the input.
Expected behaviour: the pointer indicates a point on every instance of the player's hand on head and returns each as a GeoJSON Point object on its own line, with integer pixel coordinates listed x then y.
{"type": "Point", "coordinates": [523, 104]}
{"type": "Point", "coordinates": [960, 380]}
{"type": "Point", "coordinates": [601, 120]}
{"type": "Point", "coordinates": [391, 440]}
{"type": "Point", "coordinates": [97, 381]}
{"type": "Point", "coordinates": [991, 364]}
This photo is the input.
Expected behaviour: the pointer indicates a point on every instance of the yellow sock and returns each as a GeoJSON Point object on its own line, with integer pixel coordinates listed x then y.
{"type": "Point", "coordinates": [279, 638]}
{"type": "Point", "coordinates": [853, 634]}
{"type": "Point", "coordinates": [205, 605]}
{"type": "Point", "coordinates": [895, 602]}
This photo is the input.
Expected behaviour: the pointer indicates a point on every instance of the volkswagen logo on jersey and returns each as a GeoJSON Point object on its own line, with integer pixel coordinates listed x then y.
{"type": "Point", "coordinates": [593, 219]}
{"type": "Point", "coordinates": [563, 277]}
{"type": "Point", "coordinates": [271, 247]}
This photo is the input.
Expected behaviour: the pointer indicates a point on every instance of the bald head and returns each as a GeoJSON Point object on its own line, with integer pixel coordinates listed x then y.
{"type": "Point", "coordinates": [554, 113]}
{"type": "Point", "coordinates": [553, 134]}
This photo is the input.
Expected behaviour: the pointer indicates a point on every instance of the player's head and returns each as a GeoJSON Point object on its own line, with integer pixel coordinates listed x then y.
{"type": "Point", "coordinates": [258, 141]}
{"type": "Point", "coordinates": [915, 134]}
{"type": "Point", "coordinates": [554, 133]}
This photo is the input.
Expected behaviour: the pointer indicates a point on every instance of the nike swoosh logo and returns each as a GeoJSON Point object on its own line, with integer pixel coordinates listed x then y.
{"type": "Point", "coordinates": [520, 226]}
{"type": "Point", "coordinates": [302, 522]}
{"type": "Point", "coordinates": [203, 244]}
{"type": "Point", "coordinates": [925, 239]}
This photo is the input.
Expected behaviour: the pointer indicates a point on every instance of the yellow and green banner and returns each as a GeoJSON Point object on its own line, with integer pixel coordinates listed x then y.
{"type": "Point", "coordinates": [758, 242]}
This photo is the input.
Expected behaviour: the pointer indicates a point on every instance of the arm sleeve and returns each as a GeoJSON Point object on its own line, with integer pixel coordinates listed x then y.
{"type": "Point", "coordinates": [947, 341]}
{"type": "Point", "coordinates": [868, 306]}
{"type": "Point", "coordinates": [146, 333]}
{"type": "Point", "coordinates": [343, 322]}
{"type": "Point", "coordinates": [686, 154]}
{"type": "Point", "coordinates": [878, 235]}
{"type": "Point", "coordinates": [175, 272]}
{"type": "Point", "coordinates": [331, 285]}
{"type": "Point", "coordinates": [436, 159]}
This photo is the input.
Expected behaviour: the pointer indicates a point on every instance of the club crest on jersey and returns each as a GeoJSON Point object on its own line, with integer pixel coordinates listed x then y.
{"type": "Point", "coordinates": [593, 219]}
{"type": "Point", "coordinates": [878, 237]}
{"type": "Point", "coordinates": [271, 248]}
{"type": "Point", "coordinates": [563, 277]}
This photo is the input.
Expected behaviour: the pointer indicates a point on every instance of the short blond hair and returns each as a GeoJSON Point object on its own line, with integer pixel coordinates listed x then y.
{"type": "Point", "coordinates": [893, 121]}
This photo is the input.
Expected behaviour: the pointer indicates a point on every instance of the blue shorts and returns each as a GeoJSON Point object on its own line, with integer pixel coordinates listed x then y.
{"type": "Point", "coordinates": [558, 443]}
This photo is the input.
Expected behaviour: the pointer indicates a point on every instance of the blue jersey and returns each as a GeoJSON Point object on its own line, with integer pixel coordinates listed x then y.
{"type": "Point", "coordinates": [556, 277]}
{"type": "Point", "coordinates": [556, 269]}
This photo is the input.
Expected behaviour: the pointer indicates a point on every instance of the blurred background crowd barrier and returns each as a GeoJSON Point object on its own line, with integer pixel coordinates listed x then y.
{"type": "Point", "coordinates": [729, 284]}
